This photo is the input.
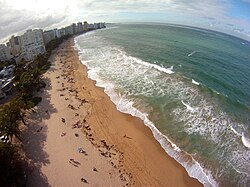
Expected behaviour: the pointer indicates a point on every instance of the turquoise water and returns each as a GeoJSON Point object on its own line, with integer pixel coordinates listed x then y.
{"type": "Point", "coordinates": [190, 86]}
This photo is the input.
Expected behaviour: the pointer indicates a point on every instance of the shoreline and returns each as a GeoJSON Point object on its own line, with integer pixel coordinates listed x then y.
{"type": "Point", "coordinates": [120, 144]}
{"type": "Point", "coordinates": [136, 120]}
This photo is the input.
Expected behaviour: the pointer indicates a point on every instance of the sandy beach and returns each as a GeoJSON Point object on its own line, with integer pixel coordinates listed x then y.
{"type": "Point", "coordinates": [77, 137]}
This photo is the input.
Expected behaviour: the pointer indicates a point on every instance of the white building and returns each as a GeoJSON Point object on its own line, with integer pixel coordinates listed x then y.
{"type": "Point", "coordinates": [46, 37]}
{"type": "Point", "coordinates": [91, 26]}
{"type": "Point", "coordinates": [62, 32]}
{"type": "Point", "coordinates": [69, 30]}
{"type": "Point", "coordinates": [79, 27]}
{"type": "Point", "coordinates": [50, 35]}
{"type": "Point", "coordinates": [74, 28]}
{"type": "Point", "coordinates": [85, 25]}
{"type": "Point", "coordinates": [5, 53]}
{"type": "Point", "coordinates": [100, 25]}
{"type": "Point", "coordinates": [15, 45]}
{"type": "Point", "coordinates": [32, 44]}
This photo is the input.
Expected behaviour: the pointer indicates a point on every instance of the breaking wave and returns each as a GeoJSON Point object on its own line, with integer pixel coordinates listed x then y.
{"type": "Point", "coordinates": [128, 80]}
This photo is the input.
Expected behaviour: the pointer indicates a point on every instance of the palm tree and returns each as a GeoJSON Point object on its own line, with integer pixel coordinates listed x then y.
{"type": "Point", "coordinates": [29, 81]}
{"type": "Point", "coordinates": [9, 120]}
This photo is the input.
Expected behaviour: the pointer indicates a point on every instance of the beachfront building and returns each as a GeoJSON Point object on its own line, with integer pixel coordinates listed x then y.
{"type": "Point", "coordinates": [69, 30]}
{"type": "Point", "coordinates": [50, 35]}
{"type": "Point", "coordinates": [74, 28]}
{"type": "Point", "coordinates": [32, 44]}
{"type": "Point", "coordinates": [91, 26]}
{"type": "Point", "coordinates": [85, 25]}
{"type": "Point", "coordinates": [100, 25]}
{"type": "Point", "coordinates": [79, 27]}
{"type": "Point", "coordinates": [57, 33]}
{"type": "Point", "coordinates": [5, 54]}
{"type": "Point", "coordinates": [46, 37]}
{"type": "Point", "coordinates": [15, 45]}
{"type": "Point", "coordinates": [62, 32]}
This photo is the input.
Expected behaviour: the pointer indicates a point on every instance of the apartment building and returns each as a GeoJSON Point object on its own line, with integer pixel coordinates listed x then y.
{"type": "Point", "coordinates": [69, 30]}
{"type": "Point", "coordinates": [32, 43]}
{"type": "Point", "coordinates": [15, 45]}
{"type": "Point", "coordinates": [79, 27]}
{"type": "Point", "coordinates": [85, 25]}
{"type": "Point", "coordinates": [5, 53]}
{"type": "Point", "coordinates": [50, 35]}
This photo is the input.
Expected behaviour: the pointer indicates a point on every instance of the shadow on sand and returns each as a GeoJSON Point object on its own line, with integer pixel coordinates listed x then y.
{"type": "Point", "coordinates": [34, 138]}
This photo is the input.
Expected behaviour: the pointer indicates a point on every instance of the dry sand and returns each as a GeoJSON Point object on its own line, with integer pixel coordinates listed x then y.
{"type": "Point", "coordinates": [120, 147]}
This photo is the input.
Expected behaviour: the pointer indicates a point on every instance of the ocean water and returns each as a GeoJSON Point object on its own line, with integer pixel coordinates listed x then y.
{"type": "Point", "coordinates": [190, 86]}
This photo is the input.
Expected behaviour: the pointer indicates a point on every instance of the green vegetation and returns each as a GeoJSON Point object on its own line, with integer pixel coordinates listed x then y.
{"type": "Point", "coordinates": [11, 173]}
{"type": "Point", "coordinates": [27, 80]}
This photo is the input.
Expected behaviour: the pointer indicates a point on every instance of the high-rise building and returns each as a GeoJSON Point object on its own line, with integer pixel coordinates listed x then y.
{"type": "Point", "coordinates": [50, 35]}
{"type": "Point", "coordinates": [46, 37]}
{"type": "Point", "coordinates": [62, 32]}
{"type": "Point", "coordinates": [69, 30]}
{"type": "Point", "coordinates": [100, 25]}
{"type": "Point", "coordinates": [15, 45]}
{"type": "Point", "coordinates": [85, 25]}
{"type": "Point", "coordinates": [91, 26]}
{"type": "Point", "coordinates": [5, 53]}
{"type": "Point", "coordinates": [79, 27]}
{"type": "Point", "coordinates": [74, 28]}
{"type": "Point", "coordinates": [32, 43]}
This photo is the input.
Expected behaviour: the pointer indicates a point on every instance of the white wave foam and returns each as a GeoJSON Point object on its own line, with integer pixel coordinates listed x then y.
{"type": "Point", "coordinates": [209, 122]}
{"type": "Point", "coordinates": [238, 171]}
{"type": "Point", "coordinates": [162, 69]}
{"type": "Point", "coordinates": [195, 82]}
{"type": "Point", "coordinates": [190, 54]}
{"type": "Point", "coordinates": [245, 141]}
{"type": "Point", "coordinates": [188, 107]}
{"type": "Point", "coordinates": [124, 105]}
{"type": "Point", "coordinates": [235, 132]}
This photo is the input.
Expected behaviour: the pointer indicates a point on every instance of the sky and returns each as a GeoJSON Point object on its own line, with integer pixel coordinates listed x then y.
{"type": "Point", "coordinates": [228, 16]}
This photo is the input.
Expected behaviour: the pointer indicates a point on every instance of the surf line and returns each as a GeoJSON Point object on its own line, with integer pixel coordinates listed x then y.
{"type": "Point", "coordinates": [188, 107]}
{"type": "Point", "coordinates": [244, 139]}
{"type": "Point", "coordinates": [191, 53]}
{"type": "Point", "coordinates": [195, 82]}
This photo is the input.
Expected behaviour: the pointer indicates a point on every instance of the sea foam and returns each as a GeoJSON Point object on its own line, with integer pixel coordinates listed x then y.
{"type": "Point", "coordinates": [131, 80]}
{"type": "Point", "coordinates": [126, 105]}
{"type": "Point", "coordinates": [195, 82]}
{"type": "Point", "coordinates": [190, 54]}
{"type": "Point", "coordinates": [245, 141]}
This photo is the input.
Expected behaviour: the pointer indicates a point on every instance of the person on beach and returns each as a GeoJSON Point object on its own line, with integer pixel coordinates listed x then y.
{"type": "Point", "coordinates": [84, 180]}
{"type": "Point", "coordinates": [63, 134]}
{"type": "Point", "coordinates": [80, 150]}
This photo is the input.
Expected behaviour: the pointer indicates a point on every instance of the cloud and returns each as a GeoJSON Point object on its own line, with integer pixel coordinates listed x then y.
{"type": "Point", "coordinates": [13, 21]}
{"type": "Point", "coordinates": [18, 15]}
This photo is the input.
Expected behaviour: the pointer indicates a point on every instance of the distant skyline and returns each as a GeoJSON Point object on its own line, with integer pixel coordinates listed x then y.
{"type": "Point", "coordinates": [228, 16]}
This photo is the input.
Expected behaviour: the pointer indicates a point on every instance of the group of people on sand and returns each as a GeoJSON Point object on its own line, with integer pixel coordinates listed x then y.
{"type": "Point", "coordinates": [76, 163]}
